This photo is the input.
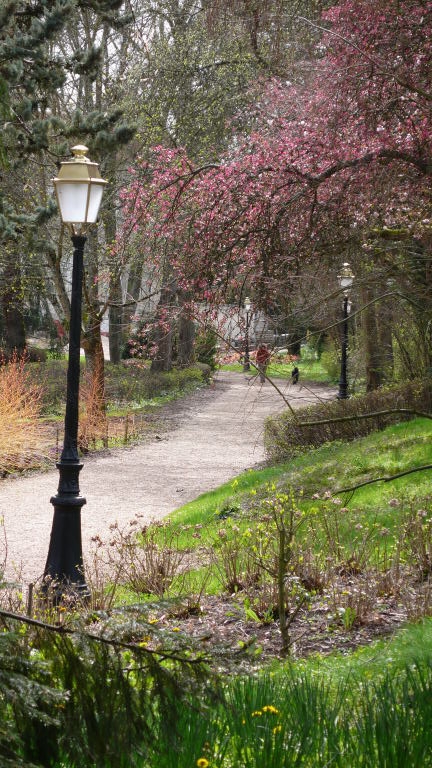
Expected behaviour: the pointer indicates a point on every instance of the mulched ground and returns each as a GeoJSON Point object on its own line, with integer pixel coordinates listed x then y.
{"type": "Point", "coordinates": [320, 628]}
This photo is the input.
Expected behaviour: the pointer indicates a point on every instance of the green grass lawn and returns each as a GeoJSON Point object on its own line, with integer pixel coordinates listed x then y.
{"type": "Point", "coordinates": [330, 468]}
{"type": "Point", "coordinates": [310, 370]}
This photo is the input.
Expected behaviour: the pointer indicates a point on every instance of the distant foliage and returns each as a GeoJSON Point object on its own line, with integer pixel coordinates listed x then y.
{"type": "Point", "coordinates": [347, 150]}
{"type": "Point", "coordinates": [130, 382]}
{"type": "Point", "coordinates": [206, 346]}
{"type": "Point", "coordinates": [133, 382]}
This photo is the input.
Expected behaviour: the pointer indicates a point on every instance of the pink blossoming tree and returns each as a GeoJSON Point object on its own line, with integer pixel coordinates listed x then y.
{"type": "Point", "coordinates": [345, 154]}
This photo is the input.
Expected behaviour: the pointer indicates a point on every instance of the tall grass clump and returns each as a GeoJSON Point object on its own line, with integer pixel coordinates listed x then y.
{"type": "Point", "coordinates": [21, 439]}
{"type": "Point", "coordinates": [301, 719]}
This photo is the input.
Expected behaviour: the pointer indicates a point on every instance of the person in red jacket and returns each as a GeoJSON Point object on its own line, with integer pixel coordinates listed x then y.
{"type": "Point", "coordinates": [262, 359]}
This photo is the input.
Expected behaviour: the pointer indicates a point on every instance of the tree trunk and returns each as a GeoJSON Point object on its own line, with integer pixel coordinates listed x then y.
{"type": "Point", "coordinates": [12, 305]}
{"type": "Point", "coordinates": [385, 323]}
{"type": "Point", "coordinates": [115, 289]}
{"type": "Point", "coordinates": [115, 324]}
{"type": "Point", "coordinates": [371, 341]}
{"type": "Point", "coordinates": [92, 338]}
{"type": "Point", "coordinates": [186, 337]}
{"type": "Point", "coordinates": [94, 391]}
{"type": "Point", "coordinates": [163, 335]}
{"type": "Point", "coordinates": [130, 307]}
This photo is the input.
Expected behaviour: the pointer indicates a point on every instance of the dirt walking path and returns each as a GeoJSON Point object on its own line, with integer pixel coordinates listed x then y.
{"type": "Point", "coordinates": [211, 436]}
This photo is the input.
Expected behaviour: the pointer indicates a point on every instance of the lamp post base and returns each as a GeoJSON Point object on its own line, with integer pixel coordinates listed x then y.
{"type": "Point", "coordinates": [64, 570]}
{"type": "Point", "coordinates": [342, 395]}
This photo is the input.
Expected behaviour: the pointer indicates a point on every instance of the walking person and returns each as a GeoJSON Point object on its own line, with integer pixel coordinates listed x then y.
{"type": "Point", "coordinates": [262, 359]}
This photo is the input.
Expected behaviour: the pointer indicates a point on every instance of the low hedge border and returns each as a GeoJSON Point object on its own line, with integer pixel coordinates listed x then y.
{"type": "Point", "coordinates": [290, 432]}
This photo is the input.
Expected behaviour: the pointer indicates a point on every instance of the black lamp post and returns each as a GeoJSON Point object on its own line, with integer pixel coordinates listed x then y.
{"type": "Point", "coordinates": [79, 189]}
{"type": "Point", "coordinates": [345, 280]}
{"type": "Point", "coordinates": [246, 359]}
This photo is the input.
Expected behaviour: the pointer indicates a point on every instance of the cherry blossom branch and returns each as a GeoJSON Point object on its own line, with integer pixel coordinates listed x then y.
{"type": "Point", "coordinates": [383, 69]}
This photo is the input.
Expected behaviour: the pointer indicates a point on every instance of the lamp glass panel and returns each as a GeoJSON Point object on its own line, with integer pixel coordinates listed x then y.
{"type": "Point", "coordinates": [346, 282]}
{"type": "Point", "coordinates": [96, 191]}
{"type": "Point", "coordinates": [72, 198]}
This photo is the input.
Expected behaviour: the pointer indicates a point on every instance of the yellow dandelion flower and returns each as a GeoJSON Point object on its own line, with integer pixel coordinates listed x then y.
{"type": "Point", "coordinates": [257, 713]}
{"type": "Point", "coordinates": [270, 708]}
{"type": "Point", "coordinates": [202, 763]}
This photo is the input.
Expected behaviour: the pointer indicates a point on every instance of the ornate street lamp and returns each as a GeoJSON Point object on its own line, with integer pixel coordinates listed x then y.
{"type": "Point", "coordinates": [79, 189]}
{"type": "Point", "coordinates": [246, 359]}
{"type": "Point", "coordinates": [345, 281]}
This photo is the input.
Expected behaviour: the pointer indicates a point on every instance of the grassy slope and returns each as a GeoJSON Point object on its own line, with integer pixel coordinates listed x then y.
{"type": "Point", "coordinates": [332, 467]}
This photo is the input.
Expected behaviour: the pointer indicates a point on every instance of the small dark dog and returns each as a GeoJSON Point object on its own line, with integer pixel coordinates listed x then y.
{"type": "Point", "coordinates": [295, 375]}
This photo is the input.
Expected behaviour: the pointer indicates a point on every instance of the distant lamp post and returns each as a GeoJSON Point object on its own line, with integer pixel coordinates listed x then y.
{"type": "Point", "coordinates": [79, 189]}
{"type": "Point", "coordinates": [345, 281]}
{"type": "Point", "coordinates": [246, 359]}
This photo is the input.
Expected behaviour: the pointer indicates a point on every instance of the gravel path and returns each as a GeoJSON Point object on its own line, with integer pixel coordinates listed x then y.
{"type": "Point", "coordinates": [212, 436]}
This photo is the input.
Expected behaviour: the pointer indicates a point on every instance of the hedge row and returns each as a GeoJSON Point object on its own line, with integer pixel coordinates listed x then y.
{"type": "Point", "coordinates": [126, 383]}
{"type": "Point", "coordinates": [289, 433]}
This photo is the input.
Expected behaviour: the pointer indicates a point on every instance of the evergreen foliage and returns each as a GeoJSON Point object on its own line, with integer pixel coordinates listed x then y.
{"type": "Point", "coordinates": [32, 72]}
{"type": "Point", "coordinates": [80, 699]}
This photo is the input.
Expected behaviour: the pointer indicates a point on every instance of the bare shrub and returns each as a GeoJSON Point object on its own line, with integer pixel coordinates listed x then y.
{"type": "Point", "coordinates": [103, 575]}
{"type": "Point", "coordinates": [417, 540]}
{"type": "Point", "coordinates": [354, 599]}
{"type": "Point", "coordinates": [93, 423]}
{"type": "Point", "coordinates": [149, 555]}
{"type": "Point", "coordinates": [417, 601]}
{"type": "Point", "coordinates": [22, 442]}
{"type": "Point", "coordinates": [313, 569]}
{"type": "Point", "coordinates": [234, 561]}
{"type": "Point", "coordinates": [12, 597]}
{"type": "Point", "coordinates": [389, 574]}
{"type": "Point", "coordinates": [11, 590]}
{"type": "Point", "coordinates": [350, 554]}
{"type": "Point", "coordinates": [3, 548]}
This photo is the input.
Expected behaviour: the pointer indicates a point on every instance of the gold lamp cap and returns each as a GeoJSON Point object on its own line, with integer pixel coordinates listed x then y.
{"type": "Point", "coordinates": [79, 152]}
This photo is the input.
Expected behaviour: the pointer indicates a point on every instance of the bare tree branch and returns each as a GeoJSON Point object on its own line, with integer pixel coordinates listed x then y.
{"type": "Point", "coordinates": [385, 479]}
